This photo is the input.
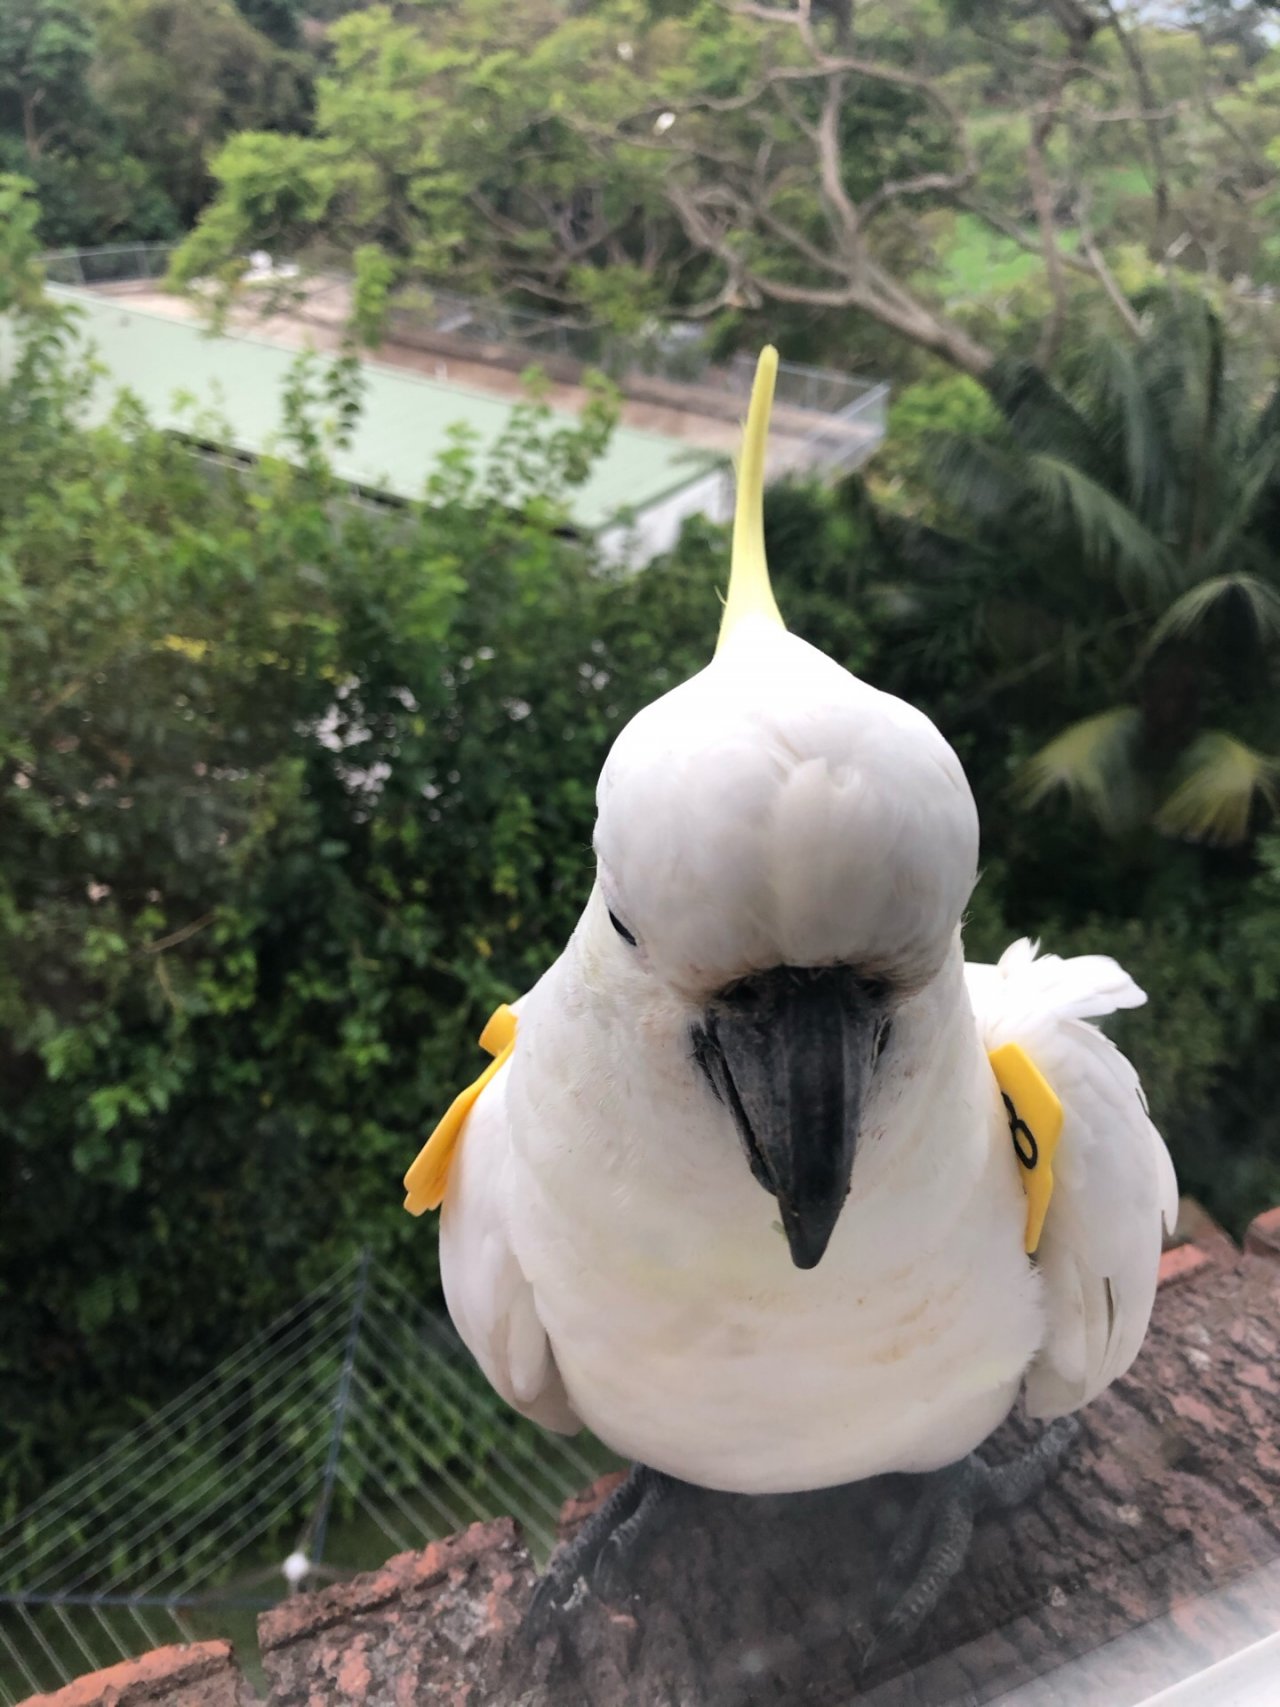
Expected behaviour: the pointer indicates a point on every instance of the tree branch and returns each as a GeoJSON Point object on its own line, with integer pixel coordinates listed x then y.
{"type": "Point", "coordinates": [1103, 273]}
{"type": "Point", "coordinates": [827, 141]}
{"type": "Point", "coordinates": [1155, 143]}
{"type": "Point", "coordinates": [1095, 267]}
{"type": "Point", "coordinates": [1258, 162]}
{"type": "Point", "coordinates": [1042, 124]}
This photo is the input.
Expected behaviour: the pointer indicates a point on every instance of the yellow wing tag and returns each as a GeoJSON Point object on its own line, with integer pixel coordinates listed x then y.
{"type": "Point", "coordinates": [1035, 1125]}
{"type": "Point", "coordinates": [425, 1181]}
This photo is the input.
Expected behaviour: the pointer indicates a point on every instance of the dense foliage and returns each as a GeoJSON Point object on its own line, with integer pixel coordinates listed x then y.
{"type": "Point", "coordinates": [114, 107]}
{"type": "Point", "coordinates": [1149, 479]}
{"type": "Point", "coordinates": [970, 178]}
{"type": "Point", "coordinates": [1101, 554]}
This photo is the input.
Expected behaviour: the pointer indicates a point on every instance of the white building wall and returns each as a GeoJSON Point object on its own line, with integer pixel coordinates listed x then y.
{"type": "Point", "coordinates": [656, 528]}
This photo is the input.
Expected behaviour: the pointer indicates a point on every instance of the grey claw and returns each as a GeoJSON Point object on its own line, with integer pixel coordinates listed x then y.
{"type": "Point", "coordinates": [551, 1597]}
{"type": "Point", "coordinates": [608, 1579]}
{"type": "Point", "coordinates": [598, 1553]}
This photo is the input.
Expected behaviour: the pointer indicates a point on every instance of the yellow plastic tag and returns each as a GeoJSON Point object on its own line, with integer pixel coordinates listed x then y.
{"type": "Point", "coordinates": [1035, 1125]}
{"type": "Point", "coordinates": [425, 1181]}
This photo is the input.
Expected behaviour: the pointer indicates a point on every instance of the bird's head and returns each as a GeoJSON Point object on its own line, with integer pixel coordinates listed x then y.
{"type": "Point", "coordinates": [789, 852]}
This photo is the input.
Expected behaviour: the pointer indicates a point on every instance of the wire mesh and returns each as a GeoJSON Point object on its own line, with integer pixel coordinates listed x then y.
{"type": "Point", "coordinates": [363, 1415]}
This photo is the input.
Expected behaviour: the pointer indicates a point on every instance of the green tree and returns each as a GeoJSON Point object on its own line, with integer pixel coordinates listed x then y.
{"type": "Point", "coordinates": [729, 158]}
{"type": "Point", "coordinates": [21, 276]}
{"type": "Point", "coordinates": [1124, 524]}
{"type": "Point", "coordinates": [45, 49]}
{"type": "Point", "coordinates": [281, 20]}
{"type": "Point", "coordinates": [1242, 24]}
{"type": "Point", "coordinates": [113, 107]}
{"type": "Point", "coordinates": [296, 790]}
{"type": "Point", "coordinates": [176, 77]}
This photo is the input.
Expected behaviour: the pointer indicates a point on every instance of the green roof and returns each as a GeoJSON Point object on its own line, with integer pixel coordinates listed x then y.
{"type": "Point", "coordinates": [403, 427]}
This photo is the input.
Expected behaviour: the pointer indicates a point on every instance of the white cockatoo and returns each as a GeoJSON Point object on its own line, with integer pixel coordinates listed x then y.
{"type": "Point", "coordinates": [766, 1186]}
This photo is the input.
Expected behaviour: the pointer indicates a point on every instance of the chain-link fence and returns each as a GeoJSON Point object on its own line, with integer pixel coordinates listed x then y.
{"type": "Point", "coordinates": [115, 263]}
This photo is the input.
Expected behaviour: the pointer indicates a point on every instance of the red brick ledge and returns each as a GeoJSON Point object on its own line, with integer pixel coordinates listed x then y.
{"type": "Point", "coordinates": [1157, 1534]}
{"type": "Point", "coordinates": [1198, 1242]}
{"type": "Point", "coordinates": [1262, 1236]}
{"type": "Point", "coordinates": [201, 1674]}
{"type": "Point", "coordinates": [1180, 1262]}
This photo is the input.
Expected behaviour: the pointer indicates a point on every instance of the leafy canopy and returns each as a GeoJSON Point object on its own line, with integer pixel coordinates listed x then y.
{"type": "Point", "coordinates": [1136, 504]}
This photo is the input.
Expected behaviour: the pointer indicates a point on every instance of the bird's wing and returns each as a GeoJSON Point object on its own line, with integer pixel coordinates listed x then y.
{"type": "Point", "coordinates": [489, 1299]}
{"type": "Point", "coordinates": [1114, 1183]}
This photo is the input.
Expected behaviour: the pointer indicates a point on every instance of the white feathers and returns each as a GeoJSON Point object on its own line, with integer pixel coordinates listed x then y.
{"type": "Point", "coordinates": [608, 1257]}
{"type": "Point", "coordinates": [1114, 1182]}
{"type": "Point", "coordinates": [775, 809]}
{"type": "Point", "coordinates": [489, 1299]}
{"type": "Point", "coordinates": [684, 1334]}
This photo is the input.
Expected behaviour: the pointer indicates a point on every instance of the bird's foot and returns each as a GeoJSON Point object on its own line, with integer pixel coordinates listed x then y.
{"type": "Point", "coordinates": [600, 1554]}
{"type": "Point", "coordinates": [931, 1545]}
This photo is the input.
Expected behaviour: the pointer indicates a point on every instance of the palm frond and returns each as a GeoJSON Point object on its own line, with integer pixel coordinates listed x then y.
{"type": "Point", "coordinates": [1181, 359]}
{"type": "Point", "coordinates": [1107, 529]}
{"type": "Point", "coordinates": [1135, 425]}
{"type": "Point", "coordinates": [1182, 362]}
{"type": "Point", "coordinates": [1266, 429]}
{"type": "Point", "coordinates": [1222, 779]}
{"type": "Point", "coordinates": [1263, 493]}
{"type": "Point", "coordinates": [1257, 493]}
{"type": "Point", "coordinates": [1042, 417]}
{"type": "Point", "coordinates": [1205, 465]}
{"type": "Point", "coordinates": [1193, 609]}
{"type": "Point", "coordinates": [980, 478]}
{"type": "Point", "coordinates": [1094, 763]}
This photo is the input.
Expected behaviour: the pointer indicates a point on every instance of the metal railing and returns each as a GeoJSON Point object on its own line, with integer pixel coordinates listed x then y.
{"type": "Point", "coordinates": [847, 439]}
{"type": "Point", "coordinates": [676, 351]}
{"type": "Point", "coordinates": [113, 263]}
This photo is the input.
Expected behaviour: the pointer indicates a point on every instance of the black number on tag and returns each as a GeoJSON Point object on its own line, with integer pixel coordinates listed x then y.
{"type": "Point", "coordinates": [1019, 1131]}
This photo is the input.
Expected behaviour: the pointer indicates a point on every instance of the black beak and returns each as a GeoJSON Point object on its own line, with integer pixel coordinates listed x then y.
{"type": "Point", "coordinates": [790, 1052]}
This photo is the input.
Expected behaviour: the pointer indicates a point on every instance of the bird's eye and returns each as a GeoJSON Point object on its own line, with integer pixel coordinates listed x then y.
{"type": "Point", "coordinates": [621, 929]}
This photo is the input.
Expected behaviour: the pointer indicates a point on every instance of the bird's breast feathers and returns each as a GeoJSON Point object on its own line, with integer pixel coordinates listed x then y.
{"type": "Point", "coordinates": [687, 1338]}
{"type": "Point", "coordinates": [647, 1282]}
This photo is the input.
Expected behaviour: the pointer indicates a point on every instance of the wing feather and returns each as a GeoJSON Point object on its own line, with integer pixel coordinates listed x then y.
{"type": "Point", "coordinates": [1114, 1184]}
{"type": "Point", "coordinates": [489, 1299]}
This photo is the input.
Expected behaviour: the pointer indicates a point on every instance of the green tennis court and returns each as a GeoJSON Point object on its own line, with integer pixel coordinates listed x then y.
{"type": "Point", "coordinates": [239, 381]}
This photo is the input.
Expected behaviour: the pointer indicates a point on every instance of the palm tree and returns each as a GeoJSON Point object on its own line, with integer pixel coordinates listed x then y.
{"type": "Point", "coordinates": [1127, 526]}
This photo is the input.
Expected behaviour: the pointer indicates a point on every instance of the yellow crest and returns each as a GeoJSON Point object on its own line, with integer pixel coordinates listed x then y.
{"type": "Point", "coordinates": [750, 593]}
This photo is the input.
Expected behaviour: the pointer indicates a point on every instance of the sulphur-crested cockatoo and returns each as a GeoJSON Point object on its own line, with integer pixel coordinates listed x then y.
{"type": "Point", "coordinates": [751, 1186]}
